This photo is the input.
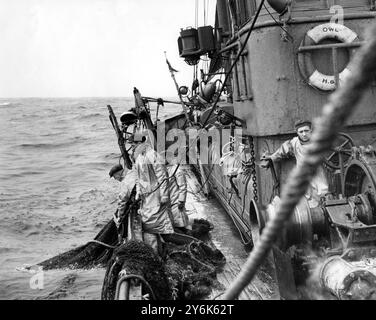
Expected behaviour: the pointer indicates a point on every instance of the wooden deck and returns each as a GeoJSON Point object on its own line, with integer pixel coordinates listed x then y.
{"type": "Point", "coordinates": [226, 238]}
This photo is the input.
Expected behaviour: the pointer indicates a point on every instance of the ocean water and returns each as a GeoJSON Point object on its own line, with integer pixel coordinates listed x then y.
{"type": "Point", "coordinates": [55, 192]}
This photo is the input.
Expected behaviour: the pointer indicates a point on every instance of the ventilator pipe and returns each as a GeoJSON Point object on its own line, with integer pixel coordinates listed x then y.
{"type": "Point", "coordinates": [341, 105]}
{"type": "Point", "coordinates": [347, 281]}
{"type": "Point", "coordinates": [207, 91]}
{"type": "Point", "coordinates": [279, 5]}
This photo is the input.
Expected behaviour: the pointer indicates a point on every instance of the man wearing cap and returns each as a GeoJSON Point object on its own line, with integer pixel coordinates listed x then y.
{"type": "Point", "coordinates": [117, 172]}
{"type": "Point", "coordinates": [296, 147]}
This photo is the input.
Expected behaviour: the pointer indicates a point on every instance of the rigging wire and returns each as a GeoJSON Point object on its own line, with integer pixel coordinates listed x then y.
{"type": "Point", "coordinates": [204, 12]}
{"type": "Point", "coordinates": [278, 23]}
{"type": "Point", "coordinates": [335, 112]}
{"type": "Point", "coordinates": [235, 61]}
{"type": "Point", "coordinates": [243, 240]}
{"type": "Point", "coordinates": [196, 13]}
{"type": "Point", "coordinates": [221, 90]}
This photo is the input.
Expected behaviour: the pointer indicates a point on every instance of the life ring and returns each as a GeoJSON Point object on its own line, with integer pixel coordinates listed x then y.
{"type": "Point", "coordinates": [323, 31]}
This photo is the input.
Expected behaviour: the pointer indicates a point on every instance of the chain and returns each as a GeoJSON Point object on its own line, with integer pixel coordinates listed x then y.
{"type": "Point", "coordinates": [253, 168]}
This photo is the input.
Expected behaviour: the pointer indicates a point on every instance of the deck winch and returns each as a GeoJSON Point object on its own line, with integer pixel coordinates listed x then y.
{"type": "Point", "coordinates": [341, 232]}
{"type": "Point", "coordinates": [349, 280]}
{"type": "Point", "coordinates": [338, 217]}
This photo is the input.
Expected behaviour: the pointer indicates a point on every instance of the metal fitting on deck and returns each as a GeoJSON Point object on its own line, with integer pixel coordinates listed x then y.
{"type": "Point", "coordinates": [348, 281]}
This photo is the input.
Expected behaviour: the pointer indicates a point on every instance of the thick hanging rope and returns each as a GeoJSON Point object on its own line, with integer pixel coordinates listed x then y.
{"type": "Point", "coordinates": [340, 106]}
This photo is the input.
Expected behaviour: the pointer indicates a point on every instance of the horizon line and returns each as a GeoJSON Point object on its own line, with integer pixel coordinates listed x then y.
{"type": "Point", "coordinates": [72, 97]}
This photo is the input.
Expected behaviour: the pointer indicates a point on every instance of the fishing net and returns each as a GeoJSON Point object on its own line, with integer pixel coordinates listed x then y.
{"type": "Point", "coordinates": [201, 229]}
{"type": "Point", "coordinates": [97, 252]}
{"type": "Point", "coordinates": [136, 258]}
{"type": "Point", "coordinates": [185, 269]}
{"type": "Point", "coordinates": [92, 254]}
{"type": "Point", "coordinates": [192, 269]}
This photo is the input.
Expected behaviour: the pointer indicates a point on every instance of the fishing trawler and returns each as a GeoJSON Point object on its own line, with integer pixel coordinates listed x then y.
{"type": "Point", "coordinates": [272, 63]}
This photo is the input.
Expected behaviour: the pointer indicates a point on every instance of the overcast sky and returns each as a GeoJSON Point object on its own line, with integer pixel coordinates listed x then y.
{"type": "Point", "coordinates": [83, 48]}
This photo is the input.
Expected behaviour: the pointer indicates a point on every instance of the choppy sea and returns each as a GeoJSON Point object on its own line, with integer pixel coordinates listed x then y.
{"type": "Point", "coordinates": [55, 192]}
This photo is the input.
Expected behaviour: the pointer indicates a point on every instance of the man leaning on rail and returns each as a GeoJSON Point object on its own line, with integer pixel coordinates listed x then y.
{"type": "Point", "coordinates": [296, 147]}
{"type": "Point", "coordinates": [149, 175]}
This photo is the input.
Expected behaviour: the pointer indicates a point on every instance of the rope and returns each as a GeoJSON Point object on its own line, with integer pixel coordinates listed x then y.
{"type": "Point", "coordinates": [112, 267]}
{"type": "Point", "coordinates": [103, 244]}
{"type": "Point", "coordinates": [218, 295]}
{"type": "Point", "coordinates": [235, 61]}
{"type": "Point", "coordinates": [226, 78]}
{"type": "Point", "coordinates": [191, 255]}
{"type": "Point", "coordinates": [340, 106]}
{"type": "Point", "coordinates": [278, 23]}
{"type": "Point", "coordinates": [196, 14]}
{"type": "Point", "coordinates": [243, 240]}
{"type": "Point", "coordinates": [205, 4]}
{"type": "Point", "coordinates": [222, 87]}
{"type": "Point", "coordinates": [206, 179]}
{"type": "Point", "coordinates": [210, 268]}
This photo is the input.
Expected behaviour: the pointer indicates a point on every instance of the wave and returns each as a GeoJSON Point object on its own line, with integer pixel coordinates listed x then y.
{"type": "Point", "coordinates": [4, 104]}
{"type": "Point", "coordinates": [53, 134]}
{"type": "Point", "coordinates": [92, 164]}
{"type": "Point", "coordinates": [89, 116]}
{"type": "Point", "coordinates": [38, 145]}
{"type": "Point", "coordinates": [93, 194]}
{"type": "Point", "coordinates": [6, 250]}
{"type": "Point", "coordinates": [50, 145]}
{"type": "Point", "coordinates": [64, 289]}
{"type": "Point", "coordinates": [21, 174]}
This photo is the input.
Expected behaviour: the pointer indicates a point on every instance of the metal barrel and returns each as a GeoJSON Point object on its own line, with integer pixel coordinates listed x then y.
{"type": "Point", "coordinates": [348, 281]}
